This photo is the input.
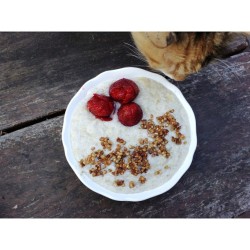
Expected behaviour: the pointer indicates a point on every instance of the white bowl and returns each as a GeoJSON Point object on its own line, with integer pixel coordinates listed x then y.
{"type": "Point", "coordinates": [129, 72]}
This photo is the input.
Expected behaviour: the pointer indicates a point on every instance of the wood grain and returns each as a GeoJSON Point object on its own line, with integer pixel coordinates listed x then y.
{"type": "Point", "coordinates": [35, 184]}
{"type": "Point", "coordinates": [36, 180]}
{"type": "Point", "coordinates": [40, 72]}
{"type": "Point", "coordinates": [244, 215]}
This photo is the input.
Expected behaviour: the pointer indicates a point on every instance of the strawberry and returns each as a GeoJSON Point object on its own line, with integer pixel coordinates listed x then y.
{"type": "Point", "coordinates": [123, 90]}
{"type": "Point", "coordinates": [130, 114]}
{"type": "Point", "coordinates": [101, 107]}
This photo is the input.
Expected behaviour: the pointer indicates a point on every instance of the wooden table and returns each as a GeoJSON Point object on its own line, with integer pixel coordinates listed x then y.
{"type": "Point", "coordinates": [40, 73]}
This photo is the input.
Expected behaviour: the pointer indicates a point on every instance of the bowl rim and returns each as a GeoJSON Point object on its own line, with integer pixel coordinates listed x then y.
{"type": "Point", "coordinates": [113, 75]}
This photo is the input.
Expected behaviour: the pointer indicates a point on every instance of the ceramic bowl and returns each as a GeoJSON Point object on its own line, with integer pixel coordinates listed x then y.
{"type": "Point", "coordinates": [128, 72]}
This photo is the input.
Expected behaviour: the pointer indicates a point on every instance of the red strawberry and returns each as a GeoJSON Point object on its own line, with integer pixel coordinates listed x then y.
{"type": "Point", "coordinates": [101, 107]}
{"type": "Point", "coordinates": [129, 114]}
{"type": "Point", "coordinates": [123, 91]}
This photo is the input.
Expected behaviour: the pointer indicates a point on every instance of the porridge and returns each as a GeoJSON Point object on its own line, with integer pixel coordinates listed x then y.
{"type": "Point", "coordinates": [131, 158]}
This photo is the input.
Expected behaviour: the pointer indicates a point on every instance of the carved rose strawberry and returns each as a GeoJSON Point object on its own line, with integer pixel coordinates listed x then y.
{"type": "Point", "coordinates": [101, 107]}
{"type": "Point", "coordinates": [130, 114]}
{"type": "Point", "coordinates": [123, 90]}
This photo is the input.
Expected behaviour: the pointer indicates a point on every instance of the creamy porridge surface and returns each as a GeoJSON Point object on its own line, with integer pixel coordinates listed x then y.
{"type": "Point", "coordinates": [154, 99]}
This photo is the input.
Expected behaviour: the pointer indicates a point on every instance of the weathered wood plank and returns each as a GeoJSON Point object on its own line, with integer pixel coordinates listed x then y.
{"type": "Point", "coordinates": [40, 72]}
{"type": "Point", "coordinates": [244, 215]}
{"type": "Point", "coordinates": [236, 43]}
{"type": "Point", "coordinates": [36, 180]}
{"type": "Point", "coordinates": [35, 184]}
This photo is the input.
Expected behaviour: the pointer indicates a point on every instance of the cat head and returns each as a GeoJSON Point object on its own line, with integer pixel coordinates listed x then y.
{"type": "Point", "coordinates": [175, 54]}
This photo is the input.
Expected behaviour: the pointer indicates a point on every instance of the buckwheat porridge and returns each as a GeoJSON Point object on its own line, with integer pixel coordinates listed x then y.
{"type": "Point", "coordinates": [131, 159]}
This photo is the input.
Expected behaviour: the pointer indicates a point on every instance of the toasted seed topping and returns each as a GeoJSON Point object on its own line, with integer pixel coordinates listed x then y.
{"type": "Point", "coordinates": [106, 143]}
{"type": "Point", "coordinates": [142, 179]}
{"type": "Point", "coordinates": [120, 140]}
{"type": "Point", "coordinates": [158, 172]}
{"type": "Point", "coordinates": [134, 158]}
{"type": "Point", "coordinates": [119, 183]}
{"type": "Point", "coordinates": [131, 184]}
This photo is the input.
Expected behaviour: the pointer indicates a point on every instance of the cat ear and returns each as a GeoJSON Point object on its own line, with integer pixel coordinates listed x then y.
{"type": "Point", "coordinates": [161, 39]}
{"type": "Point", "coordinates": [171, 38]}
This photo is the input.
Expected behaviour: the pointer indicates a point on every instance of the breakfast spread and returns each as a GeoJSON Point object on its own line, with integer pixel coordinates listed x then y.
{"type": "Point", "coordinates": [130, 135]}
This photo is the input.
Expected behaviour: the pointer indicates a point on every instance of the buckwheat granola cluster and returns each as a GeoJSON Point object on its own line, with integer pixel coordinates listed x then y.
{"type": "Point", "coordinates": [134, 158]}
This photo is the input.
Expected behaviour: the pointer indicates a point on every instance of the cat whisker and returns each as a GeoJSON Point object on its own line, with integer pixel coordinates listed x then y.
{"type": "Point", "coordinates": [130, 46]}
{"type": "Point", "coordinates": [217, 72]}
{"type": "Point", "coordinates": [134, 52]}
{"type": "Point", "coordinates": [137, 54]}
{"type": "Point", "coordinates": [214, 69]}
{"type": "Point", "coordinates": [228, 66]}
{"type": "Point", "coordinates": [137, 57]}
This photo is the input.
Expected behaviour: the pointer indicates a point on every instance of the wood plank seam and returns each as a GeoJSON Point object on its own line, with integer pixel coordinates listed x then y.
{"type": "Point", "coordinates": [32, 122]}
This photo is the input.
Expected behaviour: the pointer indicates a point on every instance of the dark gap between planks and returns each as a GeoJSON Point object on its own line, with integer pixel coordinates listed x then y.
{"type": "Point", "coordinates": [31, 122]}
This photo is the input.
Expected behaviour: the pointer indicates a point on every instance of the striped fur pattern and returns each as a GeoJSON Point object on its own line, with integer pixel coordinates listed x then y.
{"type": "Point", "coordinates": [178, 54]}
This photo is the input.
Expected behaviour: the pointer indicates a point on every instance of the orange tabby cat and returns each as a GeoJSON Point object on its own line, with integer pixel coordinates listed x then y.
{"type": "Point", "coordinates": [178, 54]}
